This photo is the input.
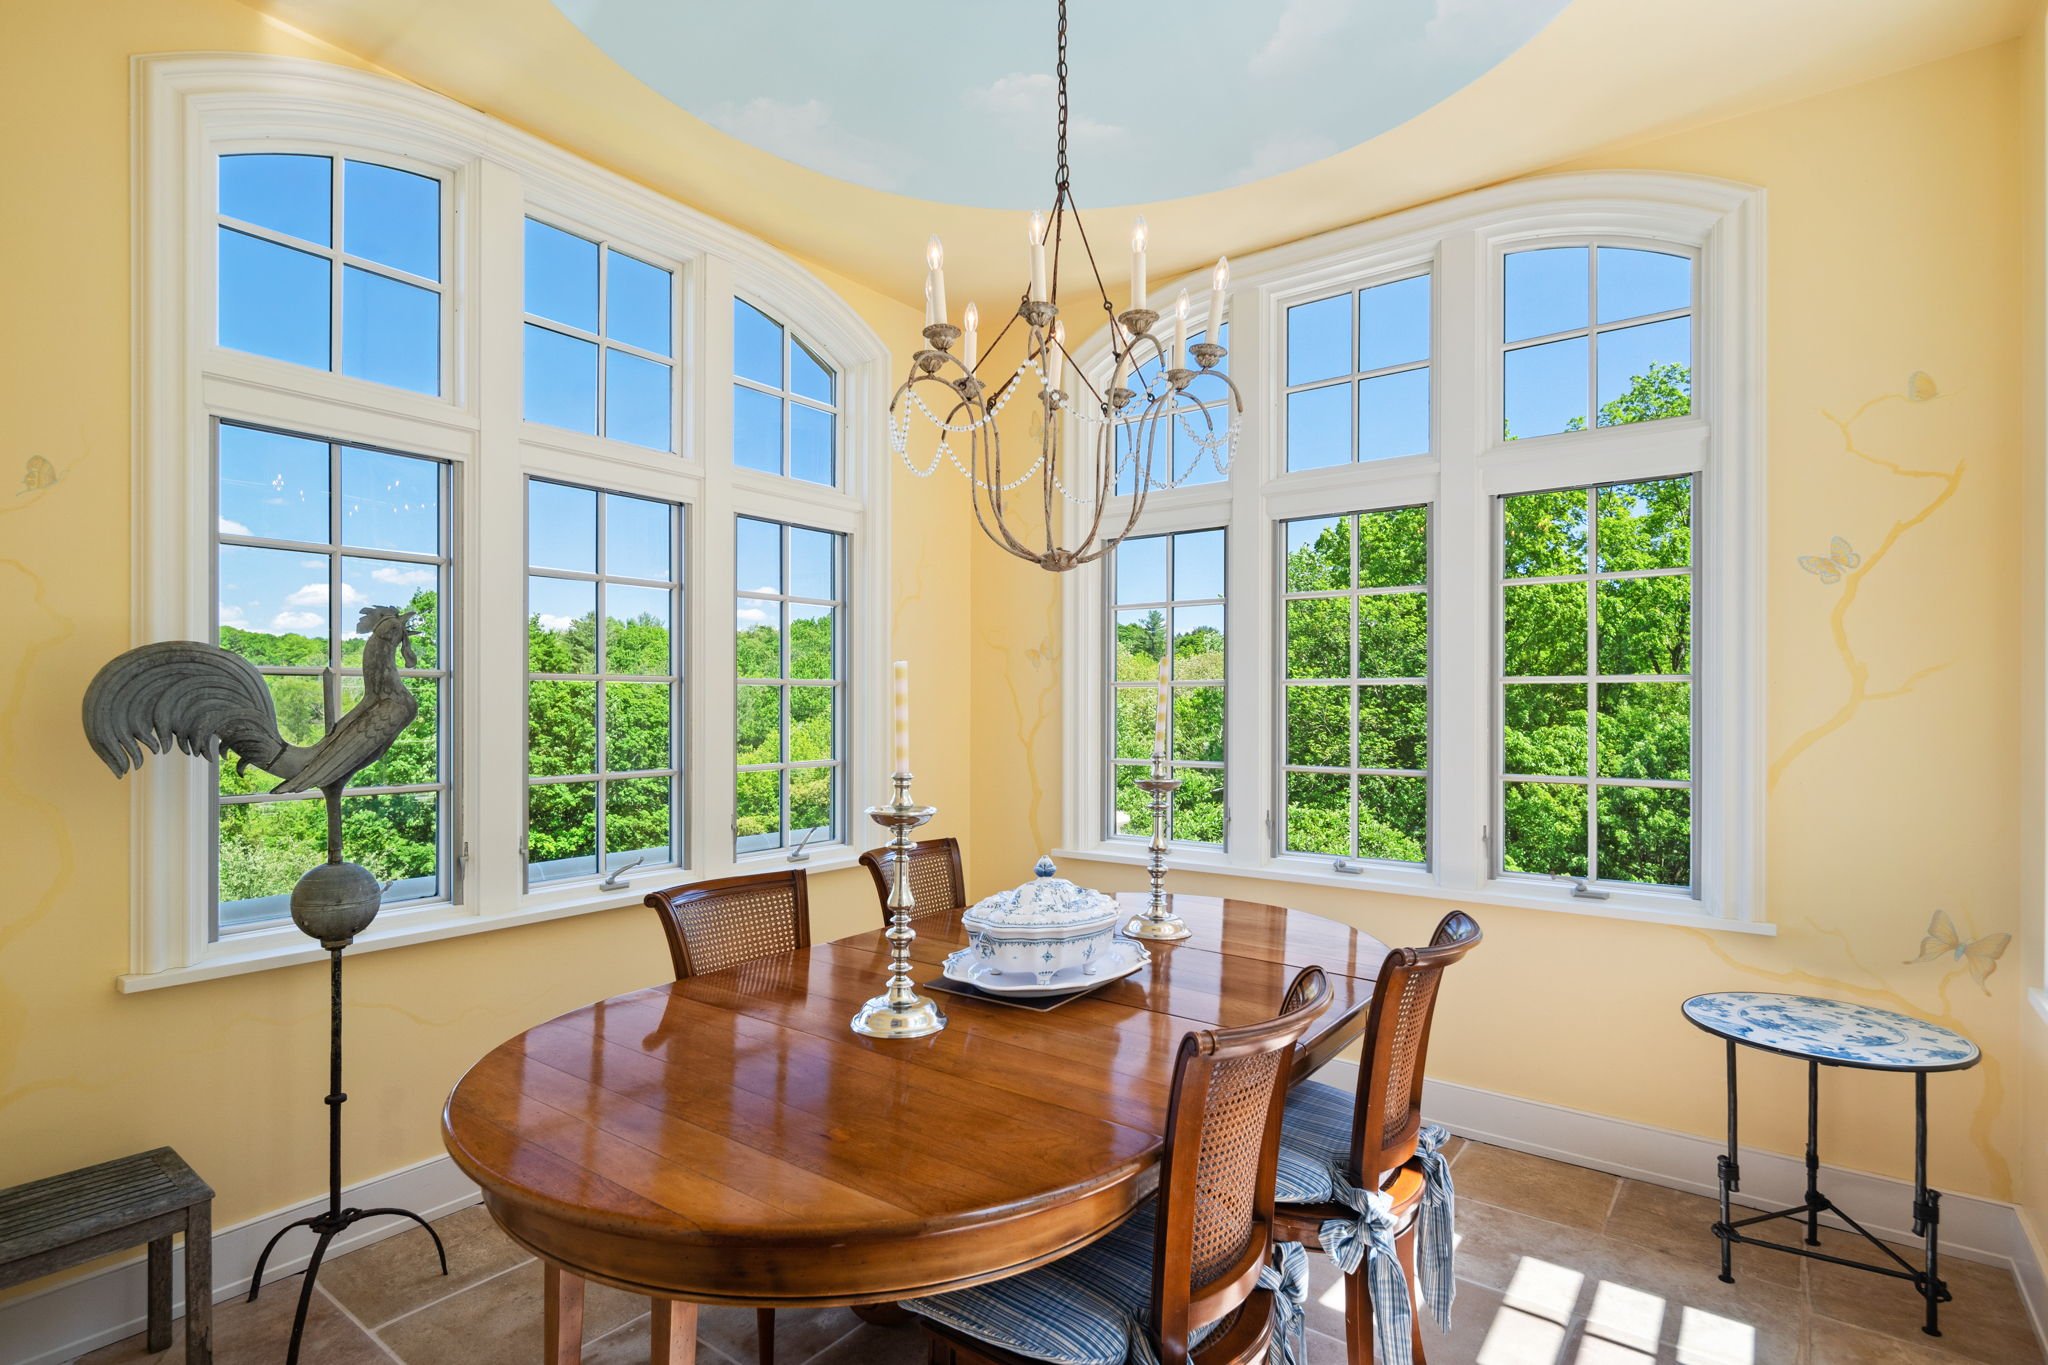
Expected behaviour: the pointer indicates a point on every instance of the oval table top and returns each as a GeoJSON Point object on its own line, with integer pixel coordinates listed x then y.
{"type": "Point", "coordinates": [728, 1139]}
{"type": "Point", "coordinates": [1831, 1032]}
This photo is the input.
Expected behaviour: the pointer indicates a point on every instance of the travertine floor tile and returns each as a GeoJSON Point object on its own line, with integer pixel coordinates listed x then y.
{"type": "Point", "coordinates": [1527, 1184]}
{"type": "Point", "coordinates": [500, 1321]}
{"type": "Point", "coordinates": [257, 1333]}
{"type": "Point", "coordinates": [1986, 1321]}
{"type": "Point", "coordinates": [399, 1274]}
{"type": "Point", "coordinates": [1680, 1224]}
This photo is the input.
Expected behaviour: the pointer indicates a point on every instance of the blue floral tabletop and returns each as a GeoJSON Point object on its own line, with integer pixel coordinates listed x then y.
{"type": "Point", "coordinates": [1832, 1031]}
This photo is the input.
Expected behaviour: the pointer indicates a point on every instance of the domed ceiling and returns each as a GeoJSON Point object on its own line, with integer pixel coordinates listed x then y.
{"type": "Point", "coordinates": [954, 103]}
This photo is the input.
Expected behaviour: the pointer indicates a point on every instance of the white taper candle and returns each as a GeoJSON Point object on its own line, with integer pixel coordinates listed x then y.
{"type": "Point", "coordinates": [1138, 262]}
{"type": "Point", "coordinates": [970, 339]}
{"type": "Point", "coordinates": [935, 258]}
{"type": "Point", "coordinates": [1180, 332]}
{"type": "Point", "coordinates": [1159, 721]}
{"type": "Point", "coordinates": [1034, 233]}
{"type": "Point", "coordinates": [1219, 282]}
{"type": "Point", "coordinates": [899, 747]}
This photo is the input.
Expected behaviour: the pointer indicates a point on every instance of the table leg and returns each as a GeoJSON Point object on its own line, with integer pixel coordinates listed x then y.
{"type": "Point", "coordinates": [562, 1315]}
{"type": "Point", "coordinates": [1813, 1154]}
{"type": "Point", "coordinates": [673, 1337]}
{"type": "Point", "coordinates": [199, 1284]}
{"type": "Point", "coordinates": [1730, 1179]}
{"type": "Point", "coordinates": [160, 1293]}
{"type": "Point", "coordinates": [1926, 1207]}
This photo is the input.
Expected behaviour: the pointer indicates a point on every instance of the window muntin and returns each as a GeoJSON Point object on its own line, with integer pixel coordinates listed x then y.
{"type": "Point", "coordinates": [785, 401]}
{"type": "Point", "coordinates": [604, 681]}
{"type": "Point", "coordinates": [309, 532]}
{"type": "Point", "coordinates": [789, 652]}
{"type": "Point", "coordinates": [1596, 701]}
{"type": "Point", "coordinates": [600, 339]}
{"type": "Point", "coordinates": [1357, 378]}
{"type": "Point", "coordinates": [370, 304]}
{"type": "Point", "coordinates": [1191, 445]}
{"type": "Point", "coordinates": [1168, 588]}
{"type": "Point", "coordinates": [1605, 330]}
{"type": "Point", "coordinates": [1356, 665]}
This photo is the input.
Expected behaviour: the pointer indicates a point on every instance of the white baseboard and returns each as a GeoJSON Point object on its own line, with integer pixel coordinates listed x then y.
{"type": "Point", "coordinates": [81, 1315]}
{"type": "Point", "coordinates": [75, 1316]}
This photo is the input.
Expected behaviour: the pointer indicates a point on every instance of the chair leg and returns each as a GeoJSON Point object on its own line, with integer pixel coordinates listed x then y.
{"type": "Point", "coordinates": [1358, 1333]}
{"type": "Point", "coordinates": [562, 1315]}
{"type": "Point", "coordinates": [764, 1328]}
{"type": "Point", "coordinates": [1404, 1249]}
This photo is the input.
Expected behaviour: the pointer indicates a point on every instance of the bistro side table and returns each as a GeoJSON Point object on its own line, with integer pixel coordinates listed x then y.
{"type": "Point", "coordinates": [1835, 1033]}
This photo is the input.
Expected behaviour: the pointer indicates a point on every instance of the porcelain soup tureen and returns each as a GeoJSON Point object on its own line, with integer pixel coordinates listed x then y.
{"type": "Point", "coordinates": [1044, 928]}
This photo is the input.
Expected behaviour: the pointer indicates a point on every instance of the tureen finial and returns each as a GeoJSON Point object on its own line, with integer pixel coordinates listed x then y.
{"type": "Point", "coordinates": [1044, 867]}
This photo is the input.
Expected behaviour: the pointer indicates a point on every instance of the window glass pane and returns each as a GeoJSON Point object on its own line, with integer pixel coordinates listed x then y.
{"type": "Point", "coordinates": [1545, 829]}
{"type": "Point", "coordinates": [1646, 372]}
{"type": "Point", "coordinates": [390, 331]}
{"type": "Point", "coordinates": [1319, 554]}
{"type": "Point", "coordinates": [1393, 818]}
{"type": "Point", "coordinates": [561, 625]}
{"type": "Point", "coordinates": [1393, 635]}
{"type": "Point", "coordinates": [561, 526]}
{"type": "Point", "coordinates": [274, 301]}
{"type": "Point", "coordinates": [756, 430]}
{"type": "Point", "coordinates": [1197, 812]}
{"type": "Point", "coordinates": [1197, 565]}
{"type": "Point", "coordinates": [393, 217]}
{"type": "Point", "coordinates": [561, 738]}
{"type": "Point", "coordinates": [637, 820]}
{"type": "Point", "coordinates": [1140, 645]}
{"type": "Point", "coordinates": [390, 502]}
{"type": "Point", "coordinates": [1319, 638]}
{"type": "Point", "coordinates": [1319, 726]}
{"type": "Point", "coordinates": [561, 831]}
{"type": "Point", "coordinates": [808, 375]}
{"type": "Point", "coordinates": [1646, 525]}
{"type": "Point", "coordinates": [414, 758]}
{"type": "Point", "coordinates": [636, 400]}
{"type": "Point", "coordinates": [1646, 731]}
{"type": "Point", "coordinates": [810, 444]}
{"type": "Point", "coordinates": [1393, 548]}
{"type": "Point", "coordinates": [1319, 340]}
{"type": "Point", "coordinates": [637, 638]}
{"type": "Point", "coordinates": [1634, 282]}
{"type": "Point", "coordinates": [402, 584]}
{"type": "Point", "coordinates": [1319, 427]}
{"type": "Point", "coordinates": [636, 728]}
{"type": "Point", "coordinates": [812, 572]}
{"type": "Point", "coordinates": [810, 802]}
{"type": "Point", "coordinates": [272, 486]}
{"type": "Point", "coordinates": [273, 605]}
{"type": "Point", "coordinates": [1141, 569]}
{"type": "Point", "coordinates": [636, 537]}
{"type": "Point", "coordinates": [1545, 534]}
{"type": "Point", "coordinates": [264, 848]}
{"type": "Point", "coordinates": [756, 345]}
{"type": "Point", "coordinates": [1319, 814]}
{"type": "Point", "coordinates": [757, 812]}
{"type": "Point", "coordinates": [561, 276]}
{"type": "Point", "coordinates": [1646, 625]}
{"type": "Point", "coordinates": [1130, 806]}
{"type": "Point", "coordinates": [1393, 323]}
{"type": "Point", "coordinates": [1544, 731]}
{"type": "Point", "coordinates": [637, 303]}
{"type": "Point", "coordinates": [1393, 727]}
{"type": "Point", "coordinates": [1393, 415]}
{"type": "Point", "coordinates": [1198, 643]}
{"type": "Point", "coordinates": [760, 556]}
{"type": "Point", "coordinates": [760, 723]}
{"type": "Point", "coordinates": [810, 641]}
{"type": "Point", "coordinates": [810, 723]}
{"type": "Point", "coordinates": [1646, 835]}
{"type": "Point", "coordinates": [1546, 291]}
{"type": "Point", "coordinates": [1545, 389]}
{"type": "Point", "coordinates": [1136, 709]}
{"type": "Point", "coordinates": [290, 194]}
{"type": "Point", "coordinates": [561, 380]}
{"type": "Point", "coordinates": [1546, 630]}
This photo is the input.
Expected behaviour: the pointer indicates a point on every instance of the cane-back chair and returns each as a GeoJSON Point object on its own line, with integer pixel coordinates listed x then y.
{"type": "Point", "coordinates": [730, 922]}
{"type": "Point", "coordinates": [1195, 1268]}
{"type": "Point", "coordinates": [1369, 1138]}
{"type": "Point", "coordinates": [936, 883]}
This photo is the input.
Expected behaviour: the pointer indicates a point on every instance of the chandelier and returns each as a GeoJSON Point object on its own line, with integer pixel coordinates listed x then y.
{"type": "Point", "coordinates": [1090, 444]}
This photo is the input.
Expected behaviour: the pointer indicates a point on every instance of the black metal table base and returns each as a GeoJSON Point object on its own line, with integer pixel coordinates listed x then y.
{"type": "Point", "coordinates": [331, 1221]}
{"type": "Point", "coordinates": [1926, 1281]}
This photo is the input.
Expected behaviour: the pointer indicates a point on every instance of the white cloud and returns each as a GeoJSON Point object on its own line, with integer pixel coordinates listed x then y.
{"type": "Point", "coordinates": [1298, 35]}
{"type": "Point", "coordinates": [403, 576]}
{"type": "Point", "coordinates": [315, 595]}
{"type": "Point", "coordinates": [297, 620]}
{"type": "Point", "coordinates": [552, 622]}
{"type": "Point", "coordinates": [230, 527]}
{"type": "Point", "coordinates": [752, 615]}
{"type": "Point", "coordinates": [1028, 99]}
{"type": "Point", "coordinates": [233, 616]}
{"type": "Point", "coordinates": [1284, 152]}
{"type": "Point", "coordinates": [807, 134]}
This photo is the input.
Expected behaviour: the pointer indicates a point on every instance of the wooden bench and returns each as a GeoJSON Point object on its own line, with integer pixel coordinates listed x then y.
{"type": "Point", "coordinates": [47, 1225]}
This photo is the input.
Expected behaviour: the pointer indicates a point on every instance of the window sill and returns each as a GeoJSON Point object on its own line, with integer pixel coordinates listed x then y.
{"type": "Point", "coordinates": [1419, 885]}
{"type": "Point", "coordinates": [286, 947]}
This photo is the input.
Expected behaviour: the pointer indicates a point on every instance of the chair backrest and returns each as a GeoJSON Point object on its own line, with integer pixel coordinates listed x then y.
{"type": "Point", "coordinates": [1215, 1215]}
{"type": "Point", "coordinates": [718, 924]}
{"type": "Point", "coordinates": [1388, 1114]}
{"type": "Point", "coordinates": [936, 883]}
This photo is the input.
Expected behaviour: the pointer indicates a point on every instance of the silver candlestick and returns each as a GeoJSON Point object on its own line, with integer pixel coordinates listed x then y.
{"type": "Point", "coordinates": [1158, 921]}
{"type": "Point", "coordinates": [900, 1012]}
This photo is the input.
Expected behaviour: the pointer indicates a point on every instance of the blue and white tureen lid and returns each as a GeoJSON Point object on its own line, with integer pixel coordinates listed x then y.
{"type": "Point", "coordinates": [1047, 901]}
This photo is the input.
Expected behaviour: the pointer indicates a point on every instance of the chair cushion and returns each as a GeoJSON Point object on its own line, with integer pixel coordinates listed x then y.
{"type": "Point", "coordinates": [1078, 1310]}
{"type": "Point", "coordinates": [1315, 1139]}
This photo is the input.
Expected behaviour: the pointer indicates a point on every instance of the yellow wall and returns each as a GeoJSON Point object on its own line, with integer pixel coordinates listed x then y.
{"type": "Point", "coordinates": [2033, 803]}
{"type": "Point", "coordinates": [1894, 237]}
{"type": "Point", "coordinates": [231, 1072]}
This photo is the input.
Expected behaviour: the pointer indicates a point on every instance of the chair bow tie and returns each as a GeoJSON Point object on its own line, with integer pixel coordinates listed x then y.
{"type": "Point", "coordinates": [1369, 1238]}
{"type": "Point", "coordinates": [1286, 1274]}
{"type": "Point", "coordinates": [1437, 1243]}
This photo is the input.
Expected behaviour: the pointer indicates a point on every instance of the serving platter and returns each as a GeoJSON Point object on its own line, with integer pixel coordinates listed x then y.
{"type": "Point", "coordinates": [1123, 957]}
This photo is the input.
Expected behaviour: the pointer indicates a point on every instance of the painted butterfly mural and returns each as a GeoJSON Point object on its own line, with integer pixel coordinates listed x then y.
{"type": "Point", "coordinates": [1979, 955]}
{"type": "Point", "coordinates": [1841, 558]}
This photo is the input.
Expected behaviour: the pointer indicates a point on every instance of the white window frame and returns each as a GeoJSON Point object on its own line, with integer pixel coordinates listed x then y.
{"type": "Point", "coordinates": [1462, 242]}
{"type": "Point", "coordinates": [189, 109]}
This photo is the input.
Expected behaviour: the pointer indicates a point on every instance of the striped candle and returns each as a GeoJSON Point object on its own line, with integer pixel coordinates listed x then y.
{"type": "Point", "coordinates": [1159, 723]}
{"type": "Point", "coordinates": [899, 749]}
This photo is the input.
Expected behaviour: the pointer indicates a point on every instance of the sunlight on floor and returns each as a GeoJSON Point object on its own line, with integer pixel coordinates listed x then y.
{"type": "Point", "coordinates": [1623, 1326]}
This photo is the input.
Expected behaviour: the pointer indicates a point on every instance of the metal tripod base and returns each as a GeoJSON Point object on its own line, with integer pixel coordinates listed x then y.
{"type": "Point", "coordinates": [328, 1226]}
{"type": "Point", "coordinates": [916, 1017]}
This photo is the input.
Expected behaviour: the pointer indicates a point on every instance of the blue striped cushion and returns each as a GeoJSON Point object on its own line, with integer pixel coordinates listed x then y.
{"type": "Point", "coordinates": [1079, 1310]}
{"type": "Point", "coordinates": [1315, 1136]}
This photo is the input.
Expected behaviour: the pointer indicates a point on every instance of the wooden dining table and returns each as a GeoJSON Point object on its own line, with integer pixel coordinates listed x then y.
{"type": "Point", "coordinates": [727, 1139]}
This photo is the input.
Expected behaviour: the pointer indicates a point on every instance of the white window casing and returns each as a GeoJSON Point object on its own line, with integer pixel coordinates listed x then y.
{"type": "Point", "coordinates": [1462, 242]}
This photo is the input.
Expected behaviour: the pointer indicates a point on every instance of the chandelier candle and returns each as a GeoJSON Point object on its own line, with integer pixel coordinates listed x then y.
{"type": "Point", "coordinates": [1138, 265]}
{"type": "Point", "coordinates": [970, 342]}
{"type": "Point", "coordinates": [1034, 233]}
{"type": "Point", "coordinates": [1219, 281]}
{"type": "Point", "coordinates": [935, 261]}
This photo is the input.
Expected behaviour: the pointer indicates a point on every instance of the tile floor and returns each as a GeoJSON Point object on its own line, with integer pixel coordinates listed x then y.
{"type": "Point", "coordinates": [1557, 1265]}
